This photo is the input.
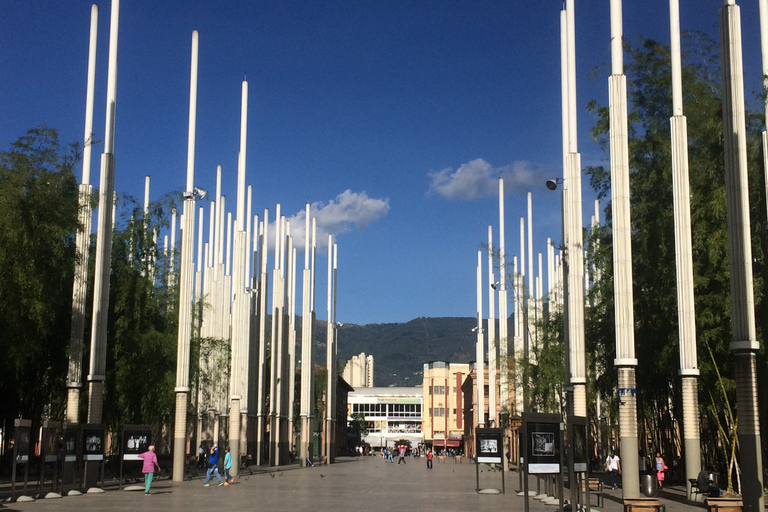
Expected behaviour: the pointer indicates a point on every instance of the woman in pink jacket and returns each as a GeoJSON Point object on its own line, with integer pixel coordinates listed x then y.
{"type": "Point", "coordinates": [150, 462]}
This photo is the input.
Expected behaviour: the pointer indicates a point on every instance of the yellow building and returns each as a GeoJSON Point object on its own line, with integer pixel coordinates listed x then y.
{"type": "Point", "coordinates": [443, 405]}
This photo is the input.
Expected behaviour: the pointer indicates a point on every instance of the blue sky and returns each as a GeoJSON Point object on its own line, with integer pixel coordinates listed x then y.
{"type": "Point", "coordinates": [363, 106]}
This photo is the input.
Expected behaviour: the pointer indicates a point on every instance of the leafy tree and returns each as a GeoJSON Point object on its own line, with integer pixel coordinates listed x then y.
{"type": "Point", "coordinates": [142, 328]}
{"type": "Point", "coordinates": [38, 220]}
{"type": "Point", "coordinates": [653, 243]}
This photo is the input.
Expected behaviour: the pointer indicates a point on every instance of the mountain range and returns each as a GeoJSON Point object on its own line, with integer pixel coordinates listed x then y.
{"type": "Point", "coordinates": [400, 350]}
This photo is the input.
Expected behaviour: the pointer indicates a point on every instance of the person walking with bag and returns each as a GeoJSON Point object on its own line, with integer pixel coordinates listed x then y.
{"type": "Point", "coordinates": [150, 462]}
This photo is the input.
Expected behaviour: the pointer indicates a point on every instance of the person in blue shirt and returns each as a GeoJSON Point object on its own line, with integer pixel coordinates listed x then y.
{"type": "Point", "coordinates": [228, 479]}
{"type": "Point", "coordinates": [213, 465]}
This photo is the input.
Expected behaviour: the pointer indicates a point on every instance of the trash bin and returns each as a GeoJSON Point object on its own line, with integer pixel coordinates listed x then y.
{"type": "Point", "coordinates": [648, 485]}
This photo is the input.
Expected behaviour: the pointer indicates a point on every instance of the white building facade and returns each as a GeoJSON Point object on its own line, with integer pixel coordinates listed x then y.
{"type": "Point", "coordinates": [390, 414]}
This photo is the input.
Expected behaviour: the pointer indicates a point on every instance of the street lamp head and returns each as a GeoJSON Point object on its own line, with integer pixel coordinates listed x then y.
{"type": "Point", "coordinates": [552, 184]}
{"type": "Point", "coordinates": [197, 191]}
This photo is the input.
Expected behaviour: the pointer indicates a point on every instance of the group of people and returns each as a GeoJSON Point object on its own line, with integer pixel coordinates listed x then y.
{"type": "Point", "coordinates": [703, 480]}
{"type": "Point", "coordinates": [213, 466]}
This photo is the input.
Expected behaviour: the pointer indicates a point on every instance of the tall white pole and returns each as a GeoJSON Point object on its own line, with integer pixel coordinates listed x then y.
{"type": "Point", "coordinates": [480, 347]}
{"type": "Point", "coordinates": [503, 327]}
{"type": "Point", "coordinates": [185, 282]}
{"type": "Point", "coordinates": [262, 450]}
{"type": "Point", "coordinates": [98, 359]}
{"type": "Point", "coordinates": [689, 371]}
{"type": "Point", "coordinates": [307, 354]}
{"type": "Point", "coordinates": [492, 419]}
{"type": "Point", "coordinates": [77, 330]}
{"type": "Point", "coordinates": [240, 300]}
{"type": "Point", "coordinates": [622, 255]}
{"type": "Point", "coordinates": [522, 369]}
{"type": "Point", "coordinates": [531, 311]}
{"type": "Point", "coordinates": [575, 238]}
{"type": "Point", "coordinates": [275, 349]}
{"type": "Point", "coordinates": [331, 372]}
{"type": "Point", "coordinates": [744, 344]}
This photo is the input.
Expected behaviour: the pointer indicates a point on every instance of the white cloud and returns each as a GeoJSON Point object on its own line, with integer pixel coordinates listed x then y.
{"type": "Point", "coordinates": [479, 178]}
{"type": "Point", "coordinates": [347, 211]}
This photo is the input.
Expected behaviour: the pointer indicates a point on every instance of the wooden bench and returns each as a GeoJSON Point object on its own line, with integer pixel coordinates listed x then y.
{"type": "Point", "coordinates": [595, 489]}
{"type": "Point", "coordinates": [457, 459]}
{"type": "Point", "coordinates": [643, 505]}
{"type": "Point", "coordinates": [725, 504]}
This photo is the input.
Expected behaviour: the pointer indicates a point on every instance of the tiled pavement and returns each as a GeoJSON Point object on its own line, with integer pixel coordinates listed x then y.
{"type": "Point", "coordinates": [366, 484]}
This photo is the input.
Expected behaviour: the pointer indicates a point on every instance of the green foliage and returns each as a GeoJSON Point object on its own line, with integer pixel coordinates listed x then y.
{"type": "Point", "coordinates": [38, 220]}
{"type": "Point", "coordinates": [653, 241]}
{"type": "Point", "coordinates": [357, 426]}
{"type": "Point", "coordinates": [142, 328]}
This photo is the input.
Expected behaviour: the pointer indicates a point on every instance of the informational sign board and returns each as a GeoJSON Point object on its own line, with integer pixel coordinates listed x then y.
{"type": "Point", "coordinates": [93, 442]}
{"type": "Point", "coordinates": [70, 444]}
{"type": "Point", "coordinates": [49, 447]}
{"type": "Point", "coordinates": [579, 436]}
{"type": "Point", "coordinates": [23, 440]}
{"type": "Point", "coordinates": [542, 443]}
{"type": "Point", "coordinates": [136, 440]}
{"type": "Point", "coordinates": [489, 447]}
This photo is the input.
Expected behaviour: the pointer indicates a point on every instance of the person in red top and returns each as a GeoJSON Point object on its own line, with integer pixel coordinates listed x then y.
{"type": "Point", "coordinates": [429, 459]}
{"type": "Point", "coordinates": [150, 462]}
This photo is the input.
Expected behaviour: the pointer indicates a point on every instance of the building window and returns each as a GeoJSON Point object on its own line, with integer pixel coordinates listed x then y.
{"type": "Point", "coordinates": [439, 390]}
{"type": "Point", "coordinates": [438, 412]}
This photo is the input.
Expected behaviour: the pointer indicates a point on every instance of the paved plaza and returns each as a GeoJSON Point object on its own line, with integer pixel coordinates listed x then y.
{"type": "Point", "coordinates": [359, 484]}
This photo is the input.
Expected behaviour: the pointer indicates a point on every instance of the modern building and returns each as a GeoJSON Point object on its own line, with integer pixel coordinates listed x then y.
{"type": "Point", "coordinates": [444, 405]}
{"type": "Point", "coordinates": [390, 414]}
{"type": "Point", "coordinates": [358, 371]}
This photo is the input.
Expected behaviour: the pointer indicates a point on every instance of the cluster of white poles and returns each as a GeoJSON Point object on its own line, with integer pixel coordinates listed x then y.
{"type": "Point", "coordinates": [229, 293]}
{"type": "Point", "coordinates": [566, 273]}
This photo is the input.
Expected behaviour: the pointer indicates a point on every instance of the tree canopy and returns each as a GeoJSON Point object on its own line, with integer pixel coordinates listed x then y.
{"type": "Point", "coordinates": [653, 244]}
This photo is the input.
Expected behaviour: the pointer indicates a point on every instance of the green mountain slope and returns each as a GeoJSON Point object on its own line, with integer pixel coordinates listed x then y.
{"type": "Point", "coordinates": [400, 350]}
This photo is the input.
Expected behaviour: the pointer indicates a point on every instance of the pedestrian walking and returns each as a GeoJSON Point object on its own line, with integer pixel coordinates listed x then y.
{"type": "Point", "coordinates": [660, 467]}
{"type": "Point", "coordinates": [401, 449]}
{"type": "Point", "coordinates": [213, 465]}
{"type": "Point", "coordinates": [613, 464]}
{"type": "Point", "coordinates": [228, 479]}
{"type": "Point", "coordinates": [429, 459]}
{"type": "Point", "coordinates": [201, 457]}
{"type": "Point", "coordinates": [150, 462]}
